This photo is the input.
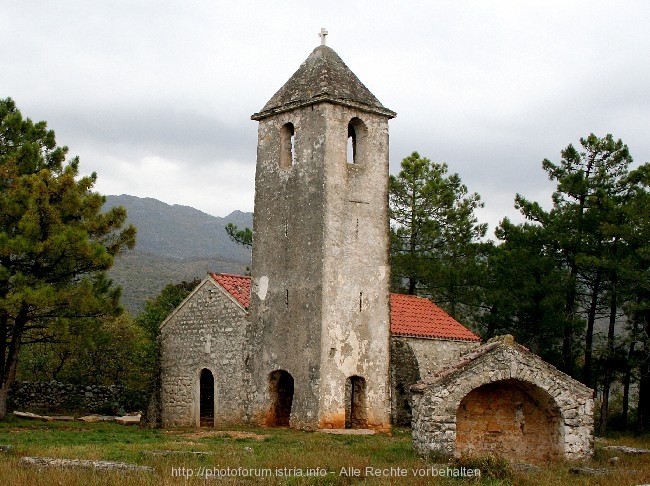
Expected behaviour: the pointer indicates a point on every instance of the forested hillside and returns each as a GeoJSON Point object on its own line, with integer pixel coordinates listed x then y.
{"type": "Point", "coordinates": [174, 243]}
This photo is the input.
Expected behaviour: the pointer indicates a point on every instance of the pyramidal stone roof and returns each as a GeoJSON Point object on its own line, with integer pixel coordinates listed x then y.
{"type": "Point", "coordinates": [323, 77]}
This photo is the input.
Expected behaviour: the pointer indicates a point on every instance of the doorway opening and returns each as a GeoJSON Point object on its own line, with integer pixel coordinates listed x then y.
{"type": "Point", "coordinates": [281, 391]}
{"type": "Point", "coordinates": [206, 400]}
{"type": "Point", "coordinates": [355, 403]}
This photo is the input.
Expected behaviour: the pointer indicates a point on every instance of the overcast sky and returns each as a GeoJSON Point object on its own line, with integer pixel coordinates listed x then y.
{"type": "Point", "coordinates": [156, 96]}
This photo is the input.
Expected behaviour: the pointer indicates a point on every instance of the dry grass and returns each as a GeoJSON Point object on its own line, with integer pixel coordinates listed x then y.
{"type": "Point", "coordinates": [274, 450]}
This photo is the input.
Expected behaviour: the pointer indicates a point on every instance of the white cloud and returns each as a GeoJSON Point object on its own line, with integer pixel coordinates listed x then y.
{"type": "Point", "coordinates": [156, 96]}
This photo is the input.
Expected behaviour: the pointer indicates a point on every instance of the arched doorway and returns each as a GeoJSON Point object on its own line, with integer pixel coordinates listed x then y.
{"type": "Point", "coordinates": [281, 392]}
{"type": "Point", "coordinates": [355, 403]}
{"type": "Point", "coordinates": [206, 398]}
{"type": "Point", "coordinates": [509, 418]}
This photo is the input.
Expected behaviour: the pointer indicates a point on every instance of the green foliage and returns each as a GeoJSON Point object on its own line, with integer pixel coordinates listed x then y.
{"type": "Point", "coordinates": [55, 242]}
{"type": "Point", "coordinates": [243, 237]}
{"type": "Point", "coordinates": [586, 258]}
{"type": "Point", "coordinates": [524, 291]}
{"type": "Point", "coordinates": [434, 234]}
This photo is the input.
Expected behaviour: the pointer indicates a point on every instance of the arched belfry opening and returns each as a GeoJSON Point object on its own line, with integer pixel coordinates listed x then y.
{"type": "Point", "coordinates": [287, 145]}
{"type": "Point", "coordinates": [206, 398]}
{"type": "Point", "coordinates": [355, 403]}
{"type": "Point", "coordinates": [356, 141]}
{"type": "Point", "coordinates": [509, 418]}
{"type": "Point", "coordinates": [281, 393]}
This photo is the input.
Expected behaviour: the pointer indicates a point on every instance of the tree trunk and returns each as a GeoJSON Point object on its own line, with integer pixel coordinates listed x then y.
{"type": "Point", "coordinates": [10, 347]}
{"type": "Point", "coordinates": [569, 309]}
{"type": "Point", "coordinates": [587, 377]}
{"type": "Point", "coordinates": [643, 407]}
{"type": "Point", "coordinates": [627, 378]}
{"type": "Point", "coordinates": [609, 359]}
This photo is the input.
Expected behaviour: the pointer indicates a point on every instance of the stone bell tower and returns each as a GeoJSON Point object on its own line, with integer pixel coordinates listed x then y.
{"type": "Point", "coordinates": [320, 294]}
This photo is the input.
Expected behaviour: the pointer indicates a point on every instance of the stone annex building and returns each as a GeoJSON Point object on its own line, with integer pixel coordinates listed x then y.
{"type": "Point", "coordinates": [315, 340]}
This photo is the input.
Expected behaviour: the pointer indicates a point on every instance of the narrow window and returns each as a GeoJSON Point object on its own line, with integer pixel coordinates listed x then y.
{"type": "Point", "coordinates": [352, 144]}
{"type": "Point", "coordinates": [360, 301]}
{"type": "Point", "coordinates": [286, 297]}
{"type": "Point", "coordinates": [287, 141]}
{"type": "Point", "coordinates": [356, 141]}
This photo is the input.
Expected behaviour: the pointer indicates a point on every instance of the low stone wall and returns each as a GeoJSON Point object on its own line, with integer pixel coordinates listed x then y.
{"type": "Point", "coordinates": [57, 396]}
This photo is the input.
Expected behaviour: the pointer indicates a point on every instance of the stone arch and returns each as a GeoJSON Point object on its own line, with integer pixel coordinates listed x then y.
{"type": "Point", "coordinates": [355, 403]}
{"type": "Point", "coordinates": [356, 146]}
{"type": "Point", "coordinates": [281, 394]}
{"type": "Point", "coordinates": [287, 145]}
{"type": "Point", "coordinates": [509, 418]}
{"type": "Point", "coordinates": [566, 405]}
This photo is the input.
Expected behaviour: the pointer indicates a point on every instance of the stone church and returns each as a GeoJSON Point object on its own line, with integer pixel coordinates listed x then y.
{"type": "Point", "coordinates": [315, 340]}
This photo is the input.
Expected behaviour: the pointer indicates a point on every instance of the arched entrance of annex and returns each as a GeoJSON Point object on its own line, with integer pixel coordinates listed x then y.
{"type": "Point", "coordinates": [509, 418]}
{"type": "Point", "coordinates": [281, 393]}
{"type": "Point", "coordinates": [206, 398]}
{"type": "Point", "coordinates": [355, 403]}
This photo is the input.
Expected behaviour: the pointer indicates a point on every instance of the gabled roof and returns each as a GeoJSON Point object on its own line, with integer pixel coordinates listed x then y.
{"type": "Point", "coordinates": [236, 285]}
{"type": "Point", "coordinates": [323, 77]}
{"type": "Point", "coordinates": [409, 315]}
{"type": "Point", "coordinates": [510, 352]}
{"type": "Point", "coordinates": [414, 316]}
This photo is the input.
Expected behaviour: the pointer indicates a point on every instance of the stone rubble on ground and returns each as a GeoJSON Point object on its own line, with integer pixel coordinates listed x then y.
{"type": "Point", "coordinates": [588, 471]}
{"type": "Point", "coordinates": [98, 418]}
{"type": "Point", "coordinates": [174, 453]}
{"type": "Point", "coordinates": [128, 419]}
{"type": "Point", "coordinates": [84, 464]}
{"type": "Point", "coordinates": [47, 418]}
{"type": "Point", "coordinates": [348, 431]}
{"type": "Point", "coordinates": [626, 449]}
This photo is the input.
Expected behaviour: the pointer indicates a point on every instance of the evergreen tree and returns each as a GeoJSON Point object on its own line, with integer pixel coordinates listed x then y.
{"type": "Point", "coordinates": [590, 185]}
{"type": "Point", "coordinates": [435, 234]}
{"type": "Point", "coordinates": [55, 242]}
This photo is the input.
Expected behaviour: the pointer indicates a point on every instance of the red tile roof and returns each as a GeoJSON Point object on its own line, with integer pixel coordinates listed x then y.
{"type": "Point", "coordinates": [236, 285]}
{"type": "Point", "coordinates": [414, 316]}
{"type": "Point", "coordinates": [409, 315]}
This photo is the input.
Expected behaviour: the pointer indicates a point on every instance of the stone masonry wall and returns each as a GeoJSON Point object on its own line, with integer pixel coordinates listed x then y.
{"type": "Point", "coordinates": [565, 402]}
{"type": "Point", "coordinates": [435, 354]}
{"type": "Point", "coordinates": [207, 331]}
{"type": "Point", "coordinates": [413, 358]}
{"type": "Point", "coordinates": [49, 396]}
{"type": "Point", "coordinates": [509, 419]}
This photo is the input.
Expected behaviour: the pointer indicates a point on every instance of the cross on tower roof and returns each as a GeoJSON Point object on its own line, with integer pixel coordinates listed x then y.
{"type": "Point", "coordinates": [323, 33]}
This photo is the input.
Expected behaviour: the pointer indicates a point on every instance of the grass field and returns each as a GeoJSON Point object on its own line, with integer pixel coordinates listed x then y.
{"type": "Point", "coordinates": [269, 456]}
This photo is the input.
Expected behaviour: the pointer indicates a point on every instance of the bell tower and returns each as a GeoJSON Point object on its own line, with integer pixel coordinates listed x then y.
{"type": "Point", "coordinates": [320, 324]}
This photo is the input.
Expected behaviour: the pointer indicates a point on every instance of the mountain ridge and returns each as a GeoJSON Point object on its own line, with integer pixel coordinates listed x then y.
{"type": "Point", "coordinates": [174, 243]}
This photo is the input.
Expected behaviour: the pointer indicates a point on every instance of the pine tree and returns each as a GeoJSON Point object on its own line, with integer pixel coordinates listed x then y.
{"type": "Point", "coordinates": [55, 242]}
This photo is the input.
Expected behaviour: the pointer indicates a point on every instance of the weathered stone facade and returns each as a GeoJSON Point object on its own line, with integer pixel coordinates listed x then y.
{"type": "Point", "coordinates": [306, 342]}
{"type": "Point", "coordinates": [206, 332]}
{"type": "Point", "coordinates": [320, 259]}
{"type": "Point", "coordinates": [412, 358]}
{"type": "Point", "coordinates": [502, 399]}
